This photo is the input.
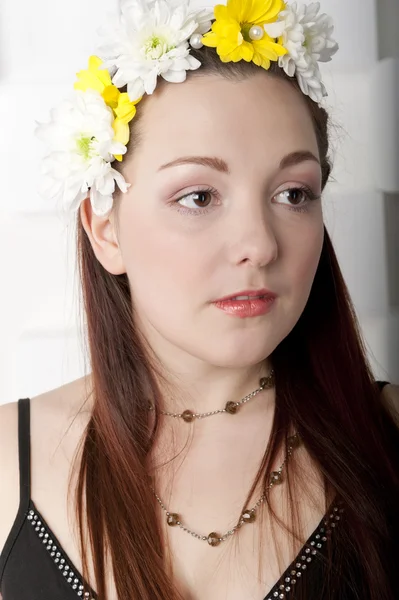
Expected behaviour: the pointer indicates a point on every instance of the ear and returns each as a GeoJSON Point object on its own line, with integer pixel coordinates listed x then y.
{"type": "Point", "coordinates": [101, 232]}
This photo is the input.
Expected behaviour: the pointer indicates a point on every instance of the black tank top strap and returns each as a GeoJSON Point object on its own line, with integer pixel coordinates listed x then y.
{"type": "Point", "coordinates": [24, 451]}
{"type": "Point", "coordinates": [24, 482]}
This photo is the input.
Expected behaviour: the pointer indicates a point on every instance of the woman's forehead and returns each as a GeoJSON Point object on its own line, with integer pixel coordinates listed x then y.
{"type": "Point", "coordinates": [210, 113]}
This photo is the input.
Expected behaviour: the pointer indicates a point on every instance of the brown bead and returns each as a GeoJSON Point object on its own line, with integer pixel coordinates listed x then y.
{"type": "Point", "coordinates": [188, 416]}
{"type": "Point", "coordinates": [275, 477]}
{"type": "Point", "coordinates": [231, 407]}
{"type": "Point", "coordinates": [214, 539]}
{"type": "Point", "coordinates": [248, 516]}
{"type": "Point", "coordinates": [266, 382]}
{"type": "Point", "coordinates": [172, 519]}
{"type": "Point", "coordinates": [294, 440]}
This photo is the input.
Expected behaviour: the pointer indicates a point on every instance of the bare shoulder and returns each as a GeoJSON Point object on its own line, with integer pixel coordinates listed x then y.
{"type": "Point", "coordinates": [390, 396]}
{"type": "Point", "coordinates": [58, 418]}
{"type": "Point", "coordinates": [9, 474]}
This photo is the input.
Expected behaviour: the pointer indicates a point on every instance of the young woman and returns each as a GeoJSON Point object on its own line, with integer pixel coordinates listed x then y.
{"type": "Point", "coordinates": [235, 448]}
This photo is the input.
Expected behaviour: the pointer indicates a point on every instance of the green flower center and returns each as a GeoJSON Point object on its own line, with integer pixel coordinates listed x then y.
{"type": "Point", "coordinates": [85, 146]}
{"type": "Point", "coordinates": [156, 46]}
{"type": "Point", "coordinates": [245, 27]}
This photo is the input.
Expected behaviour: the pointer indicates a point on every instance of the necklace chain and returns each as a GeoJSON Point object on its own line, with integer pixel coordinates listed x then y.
{"type": "Point", "coordinates": [248, 516]}
{"type": "Point", "coordinates": [231, 407]}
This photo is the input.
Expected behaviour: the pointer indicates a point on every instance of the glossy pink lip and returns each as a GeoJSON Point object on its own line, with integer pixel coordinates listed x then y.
{"type": "Point", "coordinates": [261, 292]}
{"type": "Point", "coordinates": [254, 307]}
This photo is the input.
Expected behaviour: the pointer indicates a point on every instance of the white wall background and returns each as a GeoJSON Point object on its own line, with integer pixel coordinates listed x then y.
{"type": "Point", "coordinates": [42, 46]}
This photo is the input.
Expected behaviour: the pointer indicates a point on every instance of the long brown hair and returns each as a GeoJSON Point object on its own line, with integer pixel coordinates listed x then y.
{"type": "Point", "coordinates": [324, 388]}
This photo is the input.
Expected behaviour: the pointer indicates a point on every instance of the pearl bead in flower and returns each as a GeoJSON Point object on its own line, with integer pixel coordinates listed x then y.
{"type": "Point", "coordinates": [256, 32]}
{"type": "Point", "coordinates": [196, 41]}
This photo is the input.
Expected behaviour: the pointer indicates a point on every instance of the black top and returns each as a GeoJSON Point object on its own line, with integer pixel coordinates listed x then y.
{"type": "Point", "coordinates": [33, 565]}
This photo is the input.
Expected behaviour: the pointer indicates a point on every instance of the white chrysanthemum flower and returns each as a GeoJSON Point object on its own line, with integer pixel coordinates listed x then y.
{"type": "Point", "coordinates": [307, 37]}
{"type": "Point", "coordinates": [148, 40]}
{"type": "Point", "coordinates": [81, 147]}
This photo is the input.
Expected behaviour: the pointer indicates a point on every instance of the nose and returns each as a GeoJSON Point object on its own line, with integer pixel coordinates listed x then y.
{"type": "Point", "coordinates": [255, 240]}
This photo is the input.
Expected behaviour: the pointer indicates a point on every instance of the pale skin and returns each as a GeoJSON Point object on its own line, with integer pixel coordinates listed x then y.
{"type": "Point", "coordinates": [177, 263]}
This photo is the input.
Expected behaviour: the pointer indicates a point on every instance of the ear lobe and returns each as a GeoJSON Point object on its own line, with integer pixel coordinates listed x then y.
{"type": "Point", "coordinates": [102, 235]}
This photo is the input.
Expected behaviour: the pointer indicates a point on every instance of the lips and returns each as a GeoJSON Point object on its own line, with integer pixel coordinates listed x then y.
{"type": "Point", "coordinates": [252, 306]}
{"type": "Point", "coordinates": [247, 297]}
{"type": "Point", "coordinates": [248, 294]}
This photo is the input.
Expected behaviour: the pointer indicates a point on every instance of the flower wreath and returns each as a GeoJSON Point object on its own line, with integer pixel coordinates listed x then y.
{"type": "Point", "coordinates": [152, 38]}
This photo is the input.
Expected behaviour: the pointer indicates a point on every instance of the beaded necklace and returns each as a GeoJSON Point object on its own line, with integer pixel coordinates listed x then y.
{"type": "Point", "coordinates": [249, 515]}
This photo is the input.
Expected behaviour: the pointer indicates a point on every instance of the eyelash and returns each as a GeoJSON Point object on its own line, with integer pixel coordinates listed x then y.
{"type": "Point", "coordinates": [200, 211]}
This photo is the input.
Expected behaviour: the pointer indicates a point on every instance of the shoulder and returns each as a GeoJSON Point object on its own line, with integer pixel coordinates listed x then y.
{"type": "Point", "coordinates": [57, 420]}
{"type": "Point", "coordinates": [390, 397]}
{"type": "Point", "coordinates": [9, 473]}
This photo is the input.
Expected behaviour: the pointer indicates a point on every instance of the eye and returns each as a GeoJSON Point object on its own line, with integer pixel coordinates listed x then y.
{"type": "Point", "coordinates": [298, 194]}
{"type": "Point", "coordinates": [200, 201]}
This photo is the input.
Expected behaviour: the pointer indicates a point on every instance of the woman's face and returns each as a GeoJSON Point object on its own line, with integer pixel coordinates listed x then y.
{"type": "Point", "coordinates": [183, 249]}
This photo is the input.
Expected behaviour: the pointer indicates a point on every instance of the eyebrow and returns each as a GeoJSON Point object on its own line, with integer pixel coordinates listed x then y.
{"type": "Point", "coordinates": [290, 160]}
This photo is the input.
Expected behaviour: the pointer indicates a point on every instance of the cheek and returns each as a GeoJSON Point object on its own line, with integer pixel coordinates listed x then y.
{"type": "Point", "coordinates": [304, 259]}
{"type": "Point", "coordinates": [167, 270]}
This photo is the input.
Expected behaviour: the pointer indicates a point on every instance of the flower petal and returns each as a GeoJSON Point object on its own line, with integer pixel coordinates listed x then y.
{"type": "Point", "coordinates": [122, 133]}
{"type": "Point", "coordinates": [265, 11]}
{"type": "Point", "coordinates": [268, 48]}
{"type": "Point", "coordinates": [150, 81]}
{"type": "Point", "coordinates": [111, 96]}
{"type": "Point", "coordinates": [93, 78]}
{"type": "Point", "coordinates": [101, 204]}
{"type": "Point", "coordinates": [274, 30]}
{"type": "Point", "coordinates": [120, 180]}
{"type": "Point", "coordinates": [210, 39]}
{"type": "Point", "coordinates": [126, 110]}
{"type": "Point", "coordinates": [135, 89]}
{"type": "Point", "coordinates": [175, 76]}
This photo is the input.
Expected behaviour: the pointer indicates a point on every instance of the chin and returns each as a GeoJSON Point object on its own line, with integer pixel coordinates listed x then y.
{"type": "Point", "coordinates": [238, 355]}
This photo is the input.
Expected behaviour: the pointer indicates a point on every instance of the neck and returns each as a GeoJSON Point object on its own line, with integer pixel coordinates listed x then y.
{"type": "Point", "coordinates": [211, 389]}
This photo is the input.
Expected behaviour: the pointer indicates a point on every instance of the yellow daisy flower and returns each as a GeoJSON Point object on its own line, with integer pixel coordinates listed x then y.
{"type": "Point", "coordinates": [123, 109]}
{"type": "Point", "coordinates": [230, 32]}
